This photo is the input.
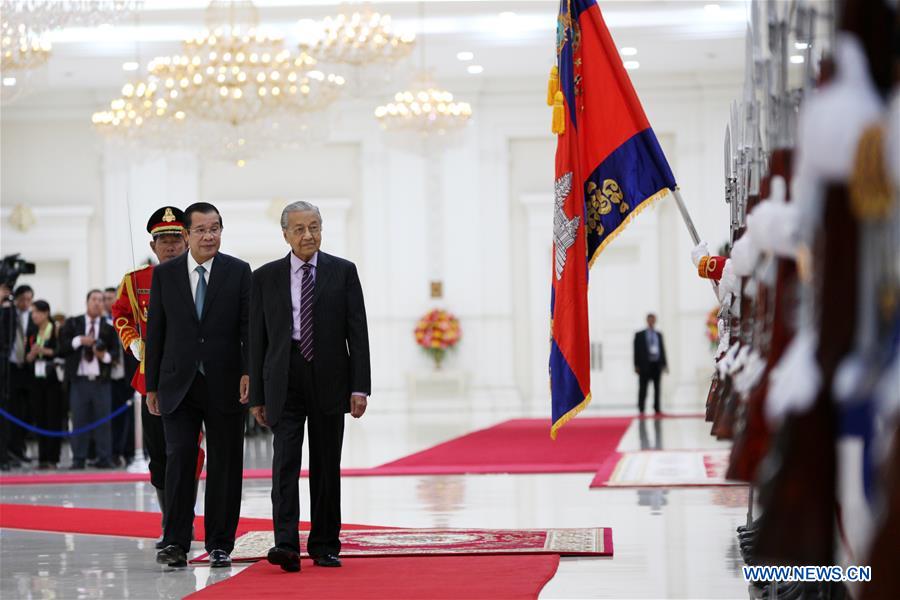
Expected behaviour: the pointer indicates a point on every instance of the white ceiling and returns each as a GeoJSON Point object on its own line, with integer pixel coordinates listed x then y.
{"type": "Point", "coordinates": [672, 36]}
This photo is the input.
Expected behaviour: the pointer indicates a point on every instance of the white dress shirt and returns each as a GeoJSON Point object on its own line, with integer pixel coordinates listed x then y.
{"type": "Point", "coordinates": [194, 275]}
{"type": "Point", "coordinates": [296, 287]}
{"type": "Point", "coordinates": [24, 318]}
{"type": "Point", "coordinates": [652, 345]}
{"type": "Point", "coordinates": [90, 368]}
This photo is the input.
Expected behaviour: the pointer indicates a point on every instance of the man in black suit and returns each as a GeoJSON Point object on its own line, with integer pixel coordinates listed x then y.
{"type": "Point", "coordinates": [309, 361]}
{"type": "Point", "coordinates": [196, 372]}
{"type": "Point", "coordinates": [20, 377]}
{"type": "Point", "coordinates": [649, 362]}
{"type": "Point", "coordinates": [90, 345]}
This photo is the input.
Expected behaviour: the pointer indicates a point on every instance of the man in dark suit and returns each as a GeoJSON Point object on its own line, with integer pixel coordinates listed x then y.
{"type": "Point", "coordinates": [20, 379]}
{"type": "Point", "coordinates": [649, 362]}
{"type": "Point", "coordinates": [196, 373]}
{"type": "Point", "coordinates": [309, 361]}
{"type": "Point", "coordinates": [89, 345]}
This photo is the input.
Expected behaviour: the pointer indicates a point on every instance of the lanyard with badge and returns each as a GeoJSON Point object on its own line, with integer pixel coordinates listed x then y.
{"type": "Point", "coordinates": [40, 365]}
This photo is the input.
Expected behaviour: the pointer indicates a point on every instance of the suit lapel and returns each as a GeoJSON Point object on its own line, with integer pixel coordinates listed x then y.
{"type": "Point", "coordinates": [283, 285]}
{"type": "Point", "coordinates": [217, 276]}
{"type": "Point", "coordinates": [183, 281]}
{"type": "Point", "coordinates": [324, 271]}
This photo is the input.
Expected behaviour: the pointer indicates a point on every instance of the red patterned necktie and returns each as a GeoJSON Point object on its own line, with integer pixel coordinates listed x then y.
{"type": "Point", "coordinates": [307, 287]}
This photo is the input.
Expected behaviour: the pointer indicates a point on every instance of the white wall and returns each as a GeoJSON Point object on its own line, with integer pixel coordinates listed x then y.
{"type": "Point", "coordinates": [476, 216]}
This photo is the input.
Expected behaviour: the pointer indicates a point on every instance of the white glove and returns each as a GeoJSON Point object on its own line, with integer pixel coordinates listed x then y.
{"type": "Point", "coordinates": [744, 255]}
{"type": "Point", "coordinates": [724, 365]}
{"type": "Point", "coordinates": [137, 349]}
{"type": "Point", "coordinates": [759, 224]}
{"type": "Point", "coordinates": [728, 284]}
{"type": "Point", "coordinates": [785, 232]}
{"type": "Point", "coordinates": [795, 380]}
{"type": "Point", "coordinates": [724, 339]}
{"type": "Point", "coordinates": [699, 251]}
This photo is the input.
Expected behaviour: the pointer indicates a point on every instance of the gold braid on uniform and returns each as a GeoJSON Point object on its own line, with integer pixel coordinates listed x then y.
{"type": "Point", "coordinates": [870, 189]}
{"type": "Point", "coordinates": [701, 266]}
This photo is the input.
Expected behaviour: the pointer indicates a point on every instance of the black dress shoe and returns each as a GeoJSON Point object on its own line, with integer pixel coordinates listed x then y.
{"type": "Point", "coordinates": [172, 556]}
{"type": "Point", "coordinates": [219, 559]}
{"type": "Point", "coordinates": [287, 559]}
{"type": "Point", "coordinates": [327, 560]}
{"type": "Point", "coordinates": [104, 464]}
{"type": "Point", "coordinates": [77, 465]}
{"type": "Point", "coordinates": [161, 543]}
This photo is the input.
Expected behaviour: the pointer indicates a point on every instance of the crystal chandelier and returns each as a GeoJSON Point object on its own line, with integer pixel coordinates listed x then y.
{"type": "Point", "coordinates": [25, 23]}
{"type": "Point", "coordinates": [233, 92]}
{"type": "Point", "coordinates": [360, 39]}
{"type": "Point", "coordinates": [424, 109]}
{"type": "Point", "coordinates": [22, 48]}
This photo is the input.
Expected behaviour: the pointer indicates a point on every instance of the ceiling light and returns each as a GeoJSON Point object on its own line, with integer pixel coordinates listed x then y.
{"type": "Point", "coordinates": [507, 14]}
{"type": "Point", "coordinates": [9, 81]}
{"type": "Point", "coordinates": [631, 65]}
{"type": "Point", "coordinates": [712, 8]}
{"type": "Point", "coordinates": [474, 69]}
{"type": "Point", "coordinates": [130, 66]}
{"type": "Point", "coordinates": [464, 56]}
{"type": "Point", "coordinates": [628, 51]}
{"type": "Point", "coordinates": [363, 38]}
{"type": "Point", "coordinates": [801, 45]}
{"type": "Point", "coordinates": [423, 109]}
{"type": "Point", "coordinates": [209, 95]}
{"type": "Point", "coordinates": [797, 59]}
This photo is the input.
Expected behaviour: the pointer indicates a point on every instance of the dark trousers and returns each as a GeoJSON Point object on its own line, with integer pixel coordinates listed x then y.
{"type": "Point", "coordinates": [154, 438]}
{"type": "Point", "coordinates": [326, 436]}
{"type": "Point", "coordinates": [123, 425]}
{"type": "Point", "coordinates": [90, 402]}
{"type": "Point", "coordinates": [46, 401]}
{"type": "Point", "coordinates": [20, 381]}
{"type": "Point", "coordinates": [224, 469]}
{"type": "Point", "coordinates": [648, 373]}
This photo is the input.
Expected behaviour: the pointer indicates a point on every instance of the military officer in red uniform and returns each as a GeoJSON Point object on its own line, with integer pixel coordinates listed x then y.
{"type": "Point", "coordinates": [130, 320]}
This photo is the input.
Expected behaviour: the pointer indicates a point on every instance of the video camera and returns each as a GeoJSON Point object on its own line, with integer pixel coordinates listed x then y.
{"type": "Point", "coordinates": [11, 267]}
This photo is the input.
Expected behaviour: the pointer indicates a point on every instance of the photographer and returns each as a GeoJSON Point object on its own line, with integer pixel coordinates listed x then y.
{"type": "Point", "coordinates": [20, 374]}
{"type": "Point", "coordinates": [6, 316]}
{"type": "Point", "coordinates": [89, 345]}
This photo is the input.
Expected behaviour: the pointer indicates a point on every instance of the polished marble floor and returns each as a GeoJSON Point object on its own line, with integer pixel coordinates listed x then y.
{"type": "Point", "coordinates": [669, 543]}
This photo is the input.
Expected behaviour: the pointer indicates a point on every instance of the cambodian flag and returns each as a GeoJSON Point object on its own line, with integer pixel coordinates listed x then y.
{"type": "Point", "coordinates": [609, 166]}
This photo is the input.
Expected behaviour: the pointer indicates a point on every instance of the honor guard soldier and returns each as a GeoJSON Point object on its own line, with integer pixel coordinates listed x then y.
{"type": "Point", "coordinates": [130, 320]}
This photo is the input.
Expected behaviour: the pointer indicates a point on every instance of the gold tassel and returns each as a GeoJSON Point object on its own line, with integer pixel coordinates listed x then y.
{"type": "Point", "coordinates": [552, 85]}
{"type": "Point", "coordinates": [559, 114]}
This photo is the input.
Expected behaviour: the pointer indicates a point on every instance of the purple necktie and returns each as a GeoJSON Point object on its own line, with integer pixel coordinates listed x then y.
{"type": "Point", "coordinates": [307, 286]}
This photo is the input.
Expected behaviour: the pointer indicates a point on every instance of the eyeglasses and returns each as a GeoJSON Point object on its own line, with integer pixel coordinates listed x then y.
{"type": "Point", "coordinates": [313, 230]}
{"type": "Point", "coordinates": [214, 231]}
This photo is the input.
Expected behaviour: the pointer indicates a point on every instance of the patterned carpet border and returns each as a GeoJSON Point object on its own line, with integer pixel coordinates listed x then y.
{"type": "Point", "coordinates": [586, 541]}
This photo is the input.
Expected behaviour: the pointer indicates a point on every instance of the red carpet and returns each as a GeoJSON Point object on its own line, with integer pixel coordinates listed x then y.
{"type": "Point", "coordinates": [128, 523]}
{"type": "Point", "coordinates": [518, 446]}
{"type": "Point", "coordinates": [470, 577]}
{"type": "Point", "coordinates": [515, 446]}
{"type": "Point", "coordinates": [67, 478]}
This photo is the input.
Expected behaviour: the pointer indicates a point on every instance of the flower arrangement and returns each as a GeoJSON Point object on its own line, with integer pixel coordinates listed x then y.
{"type": "Point", "coordinates": [437, 332]}
{"type": "Point", "coordinates": [712, 328]}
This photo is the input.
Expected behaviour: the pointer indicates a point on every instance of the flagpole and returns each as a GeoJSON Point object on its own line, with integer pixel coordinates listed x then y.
{"type": "Point", "coordinates": [689, 223]}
